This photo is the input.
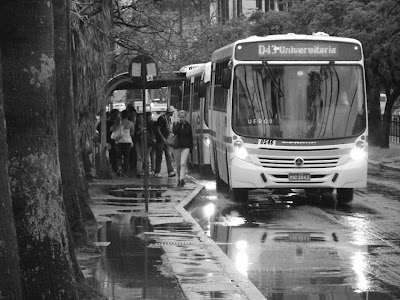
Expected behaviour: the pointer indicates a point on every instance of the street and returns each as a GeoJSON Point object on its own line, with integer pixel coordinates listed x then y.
{"type": "Point", "coordinates": [290, 249]}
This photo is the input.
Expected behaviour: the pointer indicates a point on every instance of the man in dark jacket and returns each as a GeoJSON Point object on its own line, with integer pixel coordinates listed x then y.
{"type": "Point", "coordinates": [185, 143]}
{"type": "Point", "coordinates": [164, 130]}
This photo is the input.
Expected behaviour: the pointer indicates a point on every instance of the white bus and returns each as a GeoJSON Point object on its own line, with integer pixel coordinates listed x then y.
{"type": "Point", "coordinates": [289, 111]}
{"type": "Point", "coordinates": [197, 86]}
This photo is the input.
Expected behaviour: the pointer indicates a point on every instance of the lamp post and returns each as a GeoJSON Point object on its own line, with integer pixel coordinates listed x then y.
{"type": "Point", "coordinates": [145, 68]}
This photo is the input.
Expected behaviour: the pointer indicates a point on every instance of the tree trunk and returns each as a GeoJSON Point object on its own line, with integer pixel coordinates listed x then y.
{"type": "Point", "coordinates": [10, 280]}
{"type": "Point", "coordinates": [66, 119]}
{"type": "Point", "coordinates": [36, 189]}
{"type": "Point", "coordinates": [374, 111]}
{"type": "Point", "coordinates": [81, 182]}
{"type": "Point", "coordinates": [83, 188]}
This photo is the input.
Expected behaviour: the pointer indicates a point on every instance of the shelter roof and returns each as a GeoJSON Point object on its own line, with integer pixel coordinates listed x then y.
{"type": "Point", "coordinates": [124, 82]}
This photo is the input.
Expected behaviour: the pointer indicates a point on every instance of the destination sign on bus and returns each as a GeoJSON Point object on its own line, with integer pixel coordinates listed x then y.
{"type": "Point", "coordinates": [298, 50]}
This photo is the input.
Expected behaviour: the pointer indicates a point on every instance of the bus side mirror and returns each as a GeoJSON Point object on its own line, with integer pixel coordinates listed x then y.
{"type": "Point", "coordinates": [226, 78]}
{"type": "Point", "coordinates": [202, 89]}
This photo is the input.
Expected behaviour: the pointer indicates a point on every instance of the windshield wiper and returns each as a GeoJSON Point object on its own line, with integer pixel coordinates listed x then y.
{"type": "Point", "coordinates": [273, 78]}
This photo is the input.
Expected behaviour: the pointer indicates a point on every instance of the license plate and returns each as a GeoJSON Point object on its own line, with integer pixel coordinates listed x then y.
{"type": "Point", "coordinates": [299, 237]}
{"type": "Point", "coordinates": [299, 177]}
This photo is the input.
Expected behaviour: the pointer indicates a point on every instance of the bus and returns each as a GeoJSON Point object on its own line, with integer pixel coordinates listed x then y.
{"type": "Point", "coordinates": [196, 100]}
{"type": "Point", "coordinates": [289, 111]}
{"type": "Point", "coordinates": [184, 100]}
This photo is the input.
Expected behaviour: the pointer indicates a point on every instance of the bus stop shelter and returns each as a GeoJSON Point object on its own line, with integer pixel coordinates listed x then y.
{"type": "Point", "coordinates": [124, 82]}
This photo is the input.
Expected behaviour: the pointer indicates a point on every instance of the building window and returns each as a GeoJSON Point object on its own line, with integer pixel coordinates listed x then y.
{"type": "Point", "coordinates": [259, 4]}
{"type": "Point", "coordinates": [269, 5]}
{"type": "Point", "coordinates": [239, 8]}
{"type": "Point", "coordinates": [223, 11]}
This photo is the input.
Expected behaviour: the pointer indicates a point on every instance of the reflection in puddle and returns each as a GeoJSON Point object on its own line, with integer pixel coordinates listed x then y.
{"type": "Point", "coordinates": [298, 264]}
{"type": "Point", "coordinates": [129, 269]}
{"type": "Point", "coordinates": [290, 262]}
{"type": "Point", "coordinates": [136, 193]}
{"type": "Point", "coordinates": [360, 267]}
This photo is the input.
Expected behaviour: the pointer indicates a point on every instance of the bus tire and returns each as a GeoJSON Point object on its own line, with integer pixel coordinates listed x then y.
{"type": "Point", "coordinates": [313, 196]}
{"type": "Point", "coordinates": [239, 195]}
{"type": "Point", "coordinates": [345, 195]}
{"type": "Point", "coordinates": [321, 197]}
{"type": "Point", "coordinates": [218, 181]}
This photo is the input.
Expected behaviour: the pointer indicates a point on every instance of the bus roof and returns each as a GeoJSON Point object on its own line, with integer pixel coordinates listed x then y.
{"type": "Point", "coordinates": [228, 50]}
{"type": "Point", "coordinates": [200, 70]}
{"type": "Point", "coordinates": [187, 68]}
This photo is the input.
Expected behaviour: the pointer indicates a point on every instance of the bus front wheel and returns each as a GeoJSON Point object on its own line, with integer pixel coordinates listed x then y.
{"type": "Point", "coordinates": [218, 181]}
{"type": "Point", "coordinates": [239, 195]}
{"type": "Point", "coordinates": [345, 195]}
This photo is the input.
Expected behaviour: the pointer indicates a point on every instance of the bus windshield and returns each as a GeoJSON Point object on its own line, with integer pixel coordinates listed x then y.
{"type": "Point", "coordinates": [301, 102]}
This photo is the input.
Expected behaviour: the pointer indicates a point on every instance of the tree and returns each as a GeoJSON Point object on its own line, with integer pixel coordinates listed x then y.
{"type": "Point", "coordinates": [271, 22]}
{"type": "Point", "coordinates": [34, 169]}
{"type": "Point", "coordinates": [10, 280]}
{"type": "Point", "coordinates": [90, 25]}
{"type": "Point", "coordinates": [66, 119]}
{"type": "Point", "coordinates": [76, 230]}
{"type": "Point", "coordinates": [166, 30]}
{"type": "Point", "coordinates": [384, 56]}
{"type": "Point", "coordinates": [91, 55]}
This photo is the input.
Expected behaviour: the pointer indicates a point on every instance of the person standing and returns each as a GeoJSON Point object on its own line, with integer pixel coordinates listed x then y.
{"type": "Point", "coordinates": [151, 135]}
{"type": "Point", "coordinates": [183, 130]}
{"type": "Point", "coordinates": [133, 156]}
{"type": "Point", "coordinates": [139, 145]}
{"type": "Point", "coordinates": [112, 157]}
{"type": "Point", "coordinates": [124, 143]}
{"type": "Point", "coordinates": [164, 128]}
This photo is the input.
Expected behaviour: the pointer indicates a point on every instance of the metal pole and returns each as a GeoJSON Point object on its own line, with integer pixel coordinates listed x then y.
{"type": "Point", "coordinates": [144, 146]}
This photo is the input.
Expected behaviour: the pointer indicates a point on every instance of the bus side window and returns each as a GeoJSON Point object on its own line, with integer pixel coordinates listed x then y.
{"type": "Point", "coordinates": [226, 78]}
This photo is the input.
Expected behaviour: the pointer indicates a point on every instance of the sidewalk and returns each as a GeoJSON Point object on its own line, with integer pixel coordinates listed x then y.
{"type": "Point", "coordinates": [201, 268]}
{"type": "Point", "coordinates": [385, 158]}
{"type": "Point", "coordinates": [199, 265]}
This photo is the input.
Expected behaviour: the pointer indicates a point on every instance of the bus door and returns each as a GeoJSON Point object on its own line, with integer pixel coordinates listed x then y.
{"type": "Point", "coordinates": [222, 135]}
{"type": "Point", "coordinates": [191, 87]}
{"type": "Point", "coordinates": [200, 121]}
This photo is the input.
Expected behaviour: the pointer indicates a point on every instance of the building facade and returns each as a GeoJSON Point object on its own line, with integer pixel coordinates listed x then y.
{"type": "Point", "coordinates": [224, 10]}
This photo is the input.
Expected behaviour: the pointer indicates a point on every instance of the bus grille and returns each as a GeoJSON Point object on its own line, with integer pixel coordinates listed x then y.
{"type": "Point", "coordinates": [289, 162]}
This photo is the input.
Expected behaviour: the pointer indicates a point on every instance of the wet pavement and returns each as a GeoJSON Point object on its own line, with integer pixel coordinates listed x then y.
{"type": "Point", "coordinates": [164, 253]}
{"type": "Point", "coordinates": [290, 250]}
{"type": "Point", "coordinates": [159, 254]}
{"type": "Point", "coordinates": [385, 158]}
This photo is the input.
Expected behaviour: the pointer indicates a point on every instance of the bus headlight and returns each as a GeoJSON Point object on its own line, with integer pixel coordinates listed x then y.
{"type": "Point", "coordinates": [240, 150]}
{"type": "Point", "coordinates": [358, 151]}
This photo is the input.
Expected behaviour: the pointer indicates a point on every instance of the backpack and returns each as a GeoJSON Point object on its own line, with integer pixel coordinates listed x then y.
{"type": "Point", "coordinates": [118, 133]}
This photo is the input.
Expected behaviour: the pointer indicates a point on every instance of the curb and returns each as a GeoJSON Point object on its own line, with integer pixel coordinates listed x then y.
{"type": "Point", "coordinates": [245, 286]}
{"type": "Point", "coordinates": [383, 165]}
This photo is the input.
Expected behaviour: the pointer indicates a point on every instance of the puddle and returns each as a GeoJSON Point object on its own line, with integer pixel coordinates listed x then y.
{"type": "Point", "coordinates": [123, 202]}
{"type": "Point", "coordinates": [285, 261]}
{"type": "Point", "coordinates": [299, 264]}
{"type": "Point", "coordinates": [175, 227]}
{"type": "Point", "coordinates": [135, 193]}
{"type": "Point", "coordinates": [129, 269]}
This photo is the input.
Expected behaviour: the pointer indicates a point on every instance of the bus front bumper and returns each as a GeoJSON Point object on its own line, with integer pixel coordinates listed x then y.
{"type": "Point", "coordinates": [244, 174]}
